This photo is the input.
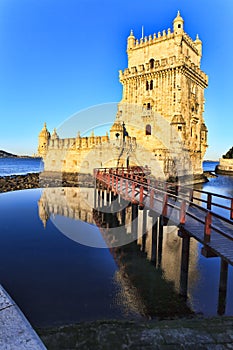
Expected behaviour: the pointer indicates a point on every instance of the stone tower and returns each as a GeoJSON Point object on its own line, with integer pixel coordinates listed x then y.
{"type": "Point", "coordinates": [44, 137]}
{"type": "Point", "coordinates": [164, 77]}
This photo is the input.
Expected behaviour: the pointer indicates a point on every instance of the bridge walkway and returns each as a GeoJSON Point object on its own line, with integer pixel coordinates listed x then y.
{"type": "Point", "coordinates": [179, 205]}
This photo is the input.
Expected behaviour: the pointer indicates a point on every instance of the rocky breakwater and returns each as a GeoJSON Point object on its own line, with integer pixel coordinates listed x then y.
{"type": "Point", "coordinates": [45, 179]}
{"type": "Point", "coordinates": [19, 182]}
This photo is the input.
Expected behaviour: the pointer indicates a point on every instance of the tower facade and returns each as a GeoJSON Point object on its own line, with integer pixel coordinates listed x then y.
{"type": "Point", "coordinates": [164, 77]}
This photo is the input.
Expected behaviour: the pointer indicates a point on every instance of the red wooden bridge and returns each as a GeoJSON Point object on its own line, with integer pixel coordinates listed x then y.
{"type": "Point", "coordinates": [206, 216]}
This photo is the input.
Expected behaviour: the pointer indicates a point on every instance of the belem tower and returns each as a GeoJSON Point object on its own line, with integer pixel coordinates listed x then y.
{"type": "Point", "coordinates": [159, 121]}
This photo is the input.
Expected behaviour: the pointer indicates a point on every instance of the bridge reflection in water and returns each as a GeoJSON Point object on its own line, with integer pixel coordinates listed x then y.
{"type": "Point", "coordinates": [170, 251]}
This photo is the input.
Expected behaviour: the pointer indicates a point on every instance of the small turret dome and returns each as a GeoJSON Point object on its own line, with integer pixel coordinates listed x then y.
{"type": "Point", "coordinates": [44, 132]}
{"type": "Point", "coordinates": [198, 41]}
{"type": "Point", "coordinates": [131, 40]}
{"type": "Point", "coordinates": [116, 127]}
{"type": "Point", "coordinates": [178, 18]}
{"type": "Point", "coordinates": [178, 23]}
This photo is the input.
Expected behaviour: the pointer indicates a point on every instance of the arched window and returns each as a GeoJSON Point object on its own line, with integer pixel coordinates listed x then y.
{"type": "Point", "coordinates": [147, 85]}
{"type": "Point", "coordinates": [148, 129]}
{"type": "Point", "coordinates": [151, 85]}
{"type": "Point", "coordinates": [152, 63]}
{"type": "Point", "coordinates": [148, 105]}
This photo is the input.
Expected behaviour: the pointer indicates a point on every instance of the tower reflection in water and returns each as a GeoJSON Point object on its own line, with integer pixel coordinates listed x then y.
{"type": "Point", "coordinates": [158, 264]}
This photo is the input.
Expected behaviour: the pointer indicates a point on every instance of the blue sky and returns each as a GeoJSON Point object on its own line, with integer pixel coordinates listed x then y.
{"type": "Point", "coordinates": [61, 56]}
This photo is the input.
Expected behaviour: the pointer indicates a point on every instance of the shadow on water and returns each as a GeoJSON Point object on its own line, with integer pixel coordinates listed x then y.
{"type": "Point", "coordinates": [158, 295]}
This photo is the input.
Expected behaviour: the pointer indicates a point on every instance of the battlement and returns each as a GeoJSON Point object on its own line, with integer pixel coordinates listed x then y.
{"type": "Point", "coordinates": [166, 35]}
{"type": "Point", "coordinates": [77, 143]}
{"type": "Point", "coordinates": [162, 65]}
{"type": "Point", "coordinates": [152, 39]}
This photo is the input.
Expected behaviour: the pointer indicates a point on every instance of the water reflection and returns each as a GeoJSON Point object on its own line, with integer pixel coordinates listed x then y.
{"type": "Point", "coordinates": [180, 261]}
{"type": "Point", "coordinates": [57, 280]}
{"type": "Point", "coordinates": [53, 279]}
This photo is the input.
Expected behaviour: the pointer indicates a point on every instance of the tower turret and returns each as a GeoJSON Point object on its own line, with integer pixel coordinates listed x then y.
{"type": "Point", "coordinates": [178, 24]}
{"type": "Point", "coordinates": [198, 44]}
{"type": "Point", "coordinates": [44, 137]}
{"type": "Point", "coordinates": [130, 40]}
{"type": "Point", "coordinates": [54, 135]}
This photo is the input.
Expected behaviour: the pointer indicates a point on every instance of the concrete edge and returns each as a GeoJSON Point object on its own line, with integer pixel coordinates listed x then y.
{"type": "Point", "coordinates": [16, 333]}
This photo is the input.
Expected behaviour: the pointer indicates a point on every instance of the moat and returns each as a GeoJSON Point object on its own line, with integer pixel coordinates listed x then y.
{"type": "Point", "coordinates": [58, 276]}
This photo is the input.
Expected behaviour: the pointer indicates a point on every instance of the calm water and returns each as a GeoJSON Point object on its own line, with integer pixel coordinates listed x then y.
{"type": "Point", "coordinates": [20, 166]}
{"type": "Point", "coordinates": [53, 279]}
{"type": "Point", "coordinates": [48, 267]}
{"type": "Point", "coordinates": [209, 166]}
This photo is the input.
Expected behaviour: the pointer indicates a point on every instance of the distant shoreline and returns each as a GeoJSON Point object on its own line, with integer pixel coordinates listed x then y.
{"type": "Point", "coordinates": [4, 154]}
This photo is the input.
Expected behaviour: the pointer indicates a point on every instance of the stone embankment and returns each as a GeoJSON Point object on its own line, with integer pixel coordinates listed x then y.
{"type": "Point", "coordinates": [186, 334]}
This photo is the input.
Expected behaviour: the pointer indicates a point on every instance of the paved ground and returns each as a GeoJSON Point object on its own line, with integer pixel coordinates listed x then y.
{"type": "Point", "coordinates": [15, 331]}
{"type": "Point", "coordinates": [193, 334]}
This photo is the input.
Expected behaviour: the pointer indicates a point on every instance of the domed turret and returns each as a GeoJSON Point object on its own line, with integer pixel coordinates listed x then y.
{"type": "Point", "coordinates": [178, 24]}
{"type": "Point", "coordinates": [116, 131]}
{"type": "Point", "coordinates": [131, 41]}
{"type": "Point", "coordinates": [198, 44]}
{"type": "Point", "coordinates": [44, 137]}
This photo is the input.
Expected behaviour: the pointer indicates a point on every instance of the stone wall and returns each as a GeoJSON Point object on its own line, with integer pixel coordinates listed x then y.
{"type": "Point", "coordinates": [225, 166]}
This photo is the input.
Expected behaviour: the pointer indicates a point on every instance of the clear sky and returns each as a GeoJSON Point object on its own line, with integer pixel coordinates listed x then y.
{"type": "Point", "coordinates": [61, 56]}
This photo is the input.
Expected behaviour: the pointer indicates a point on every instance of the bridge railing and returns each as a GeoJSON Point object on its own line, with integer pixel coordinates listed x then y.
{"type": "Point", "coordinates": [209, 200]}
{"type": "Point", "coordinates": [139, 189]}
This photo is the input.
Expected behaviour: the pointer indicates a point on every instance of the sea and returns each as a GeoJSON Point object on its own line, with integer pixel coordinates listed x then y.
{"type": "Point", "coordinates": [20, 166]}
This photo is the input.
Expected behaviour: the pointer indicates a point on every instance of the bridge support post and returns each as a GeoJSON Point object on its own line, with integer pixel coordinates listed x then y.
{"type": "Point", "coordinates": [184, 265]}
{"type": "Point", "coordinates": [102, 203]}
{"type": "Point", "coordinates": [112, 196]}
{"type": "Point", "coordinates": [134, 219]}
{"type": "Point", "coordinates": [144, 231]}
{"type": "Point", "coordinates": [222, 287]}
{"type": "Point", "coordinates": [160, 241]}
{"type": "Point", "coordinates": [108, 198]}
{"type": "Point", "coordinates": [98, 198]}
{"type": "Point", "coordinates": [123, 215]}
{"type": "Point", "coordinates": [207, 229]}
{"type": "Point", "coordinates": [154, 244]}
{"type": "Point", "coordinates": [95, 195]}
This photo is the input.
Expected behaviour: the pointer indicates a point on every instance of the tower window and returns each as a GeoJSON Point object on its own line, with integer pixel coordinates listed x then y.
{"type": "Point", "coordinates": [151, 85]}
{"type": "Point", "coordinates": [179, 127]}
{"type": "Point", "coordinates": [147, 85]}
{"type": "Point", "coordinates": [148, 129]}
{"type": "Point", "coordinates": [148, 106]}
{"type": "Point", "coordinates": [152, 63]}
{"type": "Point", "coordinates": [179, 25]}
